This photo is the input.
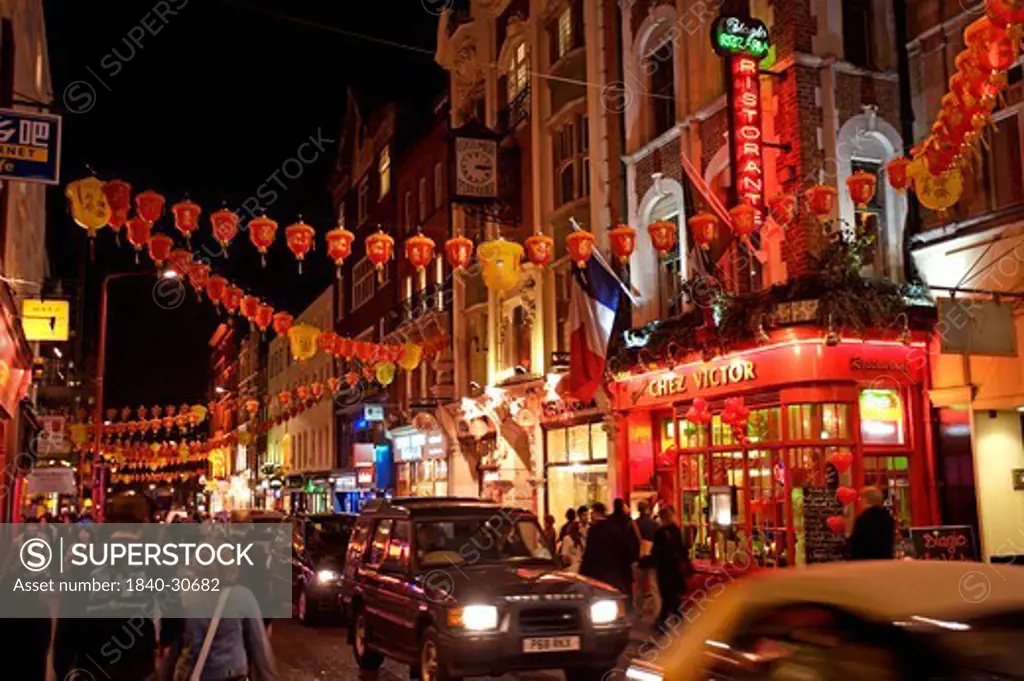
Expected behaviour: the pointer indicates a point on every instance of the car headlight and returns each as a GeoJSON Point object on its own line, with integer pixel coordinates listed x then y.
{"type": "Point", "coordinates": [607, 611]}
{"type": "Point", "coordinates": [474, 618]}
{"type": "Point", "coordinates": [326, 576]}
{"type": "Point", "coordinates": [638, 673]}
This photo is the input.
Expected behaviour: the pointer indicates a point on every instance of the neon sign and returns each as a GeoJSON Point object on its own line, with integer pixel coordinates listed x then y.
{"type": "Point", "coordinates": [747, 143]}
{"type": "Point", "coordinates": [734, 36]}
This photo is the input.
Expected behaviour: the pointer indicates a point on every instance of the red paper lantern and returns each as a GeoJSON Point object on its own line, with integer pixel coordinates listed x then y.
{"type": "Point", "coordinates": [663, 236]}
{"type": "Point", "coordinates": [744, 219]}
{"type": "Point", "coordinates": [160, 248]}
{"type": "Point", "coordinates": [252, 406]}
{"type": "Point", "coordinates": [581, 247]}
{"type": "Point", "coordinates": [302, 392]}
{"type": "Point", "coordinates": [186, 217]}
{"type": "Point", "coordinates": [352, 378]}
{"type": "Point", "coordinates": [782, 208]}
{"type": "Point", "coordinates": [325, 341]}
{"type": "Point", "coordinates": [540, 249]}
{"type": "Point", "coordinates": [119, 197]}
{"type": "Point", "coordinates": [1005, 13]}
{"type": "Point", "coordinates": [261, 233]}
{"type": "Point", "coordinates": [224, 225]}
{"type": "Point", "coordinates": [316, 389]}
{"type": "Point", "coordinates": [344, 347]}
{"type": "Point", "coordinates": [419, 250]}
{"type": "Point", "coordinates": [284, 397]}
{"type": "Point", "coordinates": [264, 317]}
{"type": "Point", "coordinates": [232, 298]}
{"type": "Point", "coordinates": [896, 171]}
{"type": "Point", "coordinates": [992, 46]}
{"type": "Point", "coordinates": [339, 246]}
{"type": "Point", "coordinates": [861, 186]}
{"type": "Point", "coordinates": [704, 227]}
{"type": "Point", "coordinates": [282, 323]}
{"type": "Point", "coordinates": [623, 241]}
{"type": "Point", "coordinates": [180, 261]}
{"type": "Point", "coordinates": [334, 384]}
{"type": "Point", "coordinates": [821, 199]}
{"type": "Point", "coordinates": [379, 249]}
{"type": "Point", "coordinates": [299, 237]}
{"type": "Point", "coordinates": [199, 275]}
{"type": "Point", "coordinates": [459, 250]}
{"type": "Point", "coordinates": [138, 233]}
{"type": "Point", "coordinates": [215, 288]}
{"type": "Point", "coordinates": [149, 205]}
{"type": "Point", "coordinates": [250, 308]}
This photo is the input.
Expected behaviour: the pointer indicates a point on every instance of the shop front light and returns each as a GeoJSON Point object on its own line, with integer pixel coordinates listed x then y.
{"type": "Point", "coordinates": [324, 576]}
{"type": "Point", "coordinates": [607, 611]}
{"type": "Point", "coordinates": [474, 618]}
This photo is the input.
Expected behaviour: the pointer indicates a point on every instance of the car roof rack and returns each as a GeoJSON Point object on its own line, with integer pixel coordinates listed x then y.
{"type": "Point", "coordinates": [384, 504]}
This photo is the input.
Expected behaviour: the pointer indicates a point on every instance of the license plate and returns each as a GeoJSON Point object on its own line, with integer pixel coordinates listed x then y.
{"type": "Point", "coordinates": [551, 644]}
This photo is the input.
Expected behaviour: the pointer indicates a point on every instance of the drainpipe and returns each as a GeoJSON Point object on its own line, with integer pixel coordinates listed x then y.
{"type": "Point", "coordinates": [913, 222]}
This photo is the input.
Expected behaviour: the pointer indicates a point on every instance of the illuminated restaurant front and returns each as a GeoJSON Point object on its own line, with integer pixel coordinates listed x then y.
{"type": "Point", "coordinates": [821, 416]}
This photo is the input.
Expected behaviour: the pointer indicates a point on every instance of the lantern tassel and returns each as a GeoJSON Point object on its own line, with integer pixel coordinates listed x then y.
{"type": "Point", "coordinates": [300, 267]}
{"type": "Point", "coordinates": [337, 273]}
{"type": "Point", "coordinates": [263, 260]}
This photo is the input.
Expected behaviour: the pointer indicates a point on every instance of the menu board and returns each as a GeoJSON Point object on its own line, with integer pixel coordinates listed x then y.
{"type": "Point", "coordinates": [822, 545]}
{"type": "Point", "coordinates": [944, 542]}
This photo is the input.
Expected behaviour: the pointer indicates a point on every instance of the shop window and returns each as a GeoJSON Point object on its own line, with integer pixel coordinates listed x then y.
{"type": "Point", "coordinates": [891, 474]}
{"type": "Point", "coordinates": [577, 469]}
{"type": "Point", "coordinates": [881, 417]}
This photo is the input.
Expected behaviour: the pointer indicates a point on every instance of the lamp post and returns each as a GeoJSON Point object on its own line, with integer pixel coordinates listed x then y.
{"type": "Point", "coordinates": [101, 366]}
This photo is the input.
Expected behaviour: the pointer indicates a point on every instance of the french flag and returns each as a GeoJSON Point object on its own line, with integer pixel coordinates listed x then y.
{"type": "Point", "coordinates": [592, 306]}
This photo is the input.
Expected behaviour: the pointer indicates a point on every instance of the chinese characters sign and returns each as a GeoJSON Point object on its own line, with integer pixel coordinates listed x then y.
{"type": "Point", "coordinates": [29, 146]}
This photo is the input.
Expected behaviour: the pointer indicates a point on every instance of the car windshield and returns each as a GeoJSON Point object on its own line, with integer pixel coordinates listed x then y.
{"type": "Point", "coordinates": [492, 539]}
{"type": "Point", "coordinates": [329, 533]}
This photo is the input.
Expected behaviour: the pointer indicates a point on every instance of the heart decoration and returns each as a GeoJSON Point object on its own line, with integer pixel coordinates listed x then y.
{"type": "Point", "coordinates": [846, 495]}
{"type": "Point", "coordinates": [756, 506]}
{"type": "Point", "coordinates": [842, 461]}
{"type": "Point", "coordinates": [836, 523]}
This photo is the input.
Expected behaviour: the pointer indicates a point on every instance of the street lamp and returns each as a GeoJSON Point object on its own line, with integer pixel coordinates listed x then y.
{"type": "Point", "coordinates": [101, 364]}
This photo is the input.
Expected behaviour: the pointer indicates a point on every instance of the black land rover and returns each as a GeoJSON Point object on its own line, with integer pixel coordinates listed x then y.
{"type": "Point", "coordinates": [463, 587]}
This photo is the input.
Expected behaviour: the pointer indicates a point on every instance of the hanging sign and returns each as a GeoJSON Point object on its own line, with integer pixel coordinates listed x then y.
{"type": "Point", "coordinates": [29, 146]}
{"type": "Point", "coordinates": [734, 36]}
{"type": "Point", "coordinates": [45, 320]}
{"type": "Point", "coordinates": [373, 412]}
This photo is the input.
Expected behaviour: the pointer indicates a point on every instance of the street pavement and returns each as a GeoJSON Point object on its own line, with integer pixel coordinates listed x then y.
{"type": "Point", "coordinates": [321, 654]}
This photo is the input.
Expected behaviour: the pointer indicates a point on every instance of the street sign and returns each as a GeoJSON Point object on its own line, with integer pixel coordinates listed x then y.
{"type": "Point", "coordinates": [976, 327]}
{"type": "Point", "coordinates": [29, 146]}
{"type": "Point", "coordinates": [45, 320]}
{"type": "Point", "coordinates": [373, 412]}
{"type": "Point", "coordinates": [56, 480]}
{"type": "Point", "coordinates": [52, 439]}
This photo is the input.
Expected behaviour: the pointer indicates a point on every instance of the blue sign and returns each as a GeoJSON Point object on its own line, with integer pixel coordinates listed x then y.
{"type": "Point", "coordinates": [29, 146]}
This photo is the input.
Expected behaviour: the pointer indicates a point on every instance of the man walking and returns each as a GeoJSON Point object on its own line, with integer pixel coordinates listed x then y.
{"type": "Point", "coordinates": [606, 557]}
{"type": "Point", "coordinates": [874, 531]}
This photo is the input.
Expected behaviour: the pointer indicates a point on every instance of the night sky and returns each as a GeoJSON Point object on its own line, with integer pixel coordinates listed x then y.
{"type": "Point", "coordinates": [211, 105]}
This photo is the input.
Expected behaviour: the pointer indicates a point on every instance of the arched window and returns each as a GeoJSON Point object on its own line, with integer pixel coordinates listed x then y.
{"type": "Point", "coordinates": [867, 142]}
{"type": "Point", "coordinates": [656, 41]}
{"type": "Point", "coordinates": [660, 282]}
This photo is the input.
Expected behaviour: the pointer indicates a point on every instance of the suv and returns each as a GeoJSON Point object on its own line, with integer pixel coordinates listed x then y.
{"type": "Point", "coordinates": [463, 587]}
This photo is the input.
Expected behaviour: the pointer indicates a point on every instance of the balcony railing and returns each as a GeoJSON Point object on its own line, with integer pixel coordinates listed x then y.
{"type": "Point", "coordinates": [517, 111]}
{"type": "Point", "coordinates": [435, 298]}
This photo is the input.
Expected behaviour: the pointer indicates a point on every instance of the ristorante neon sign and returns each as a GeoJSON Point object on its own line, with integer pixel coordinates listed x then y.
{"type": "Point", "coordinates": [747, 147]}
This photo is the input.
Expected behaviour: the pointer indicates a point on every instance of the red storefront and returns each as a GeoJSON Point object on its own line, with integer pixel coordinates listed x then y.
{"type": "Point", "coordinates": [822, 417]}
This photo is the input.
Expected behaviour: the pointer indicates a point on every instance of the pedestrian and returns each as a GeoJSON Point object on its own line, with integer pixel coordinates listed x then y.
{"type": "Point", "coordinates": [570, 549]}
{"type": "Point", "coordinates": [670, 560]}
{"type": "Point", "coordinates": [647, 526]}
{"type": "Point", "coordinates": [584, 519]}
{"type": "Point", "coordinates": [621, 518]}
{"type": "Point", "coordinates": [606, 556]}
{"type": "Point", "coordinates": [570, 518]}
{"type": "Point", "coordinates": [874, 531]}
{"type": "Point", "coordinates": [549, 530]}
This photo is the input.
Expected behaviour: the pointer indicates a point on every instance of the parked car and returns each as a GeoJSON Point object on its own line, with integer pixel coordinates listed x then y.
{"type": "Point", "coordinates": [850, 621]}
{"type": "Point", "coordinates": [463, 587]}
{"type": "Point", "coordinates": [319, 544]}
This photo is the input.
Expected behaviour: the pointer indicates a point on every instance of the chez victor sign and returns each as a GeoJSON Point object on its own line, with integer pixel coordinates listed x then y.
{"type": "Point", "coordinates": [673, 383]}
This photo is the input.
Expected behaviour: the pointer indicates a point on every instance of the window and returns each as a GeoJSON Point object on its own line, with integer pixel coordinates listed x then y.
{"type": "Point", "coordinates": [519, 71]}
{"type": "Point", "coordinates": [384, 168]}
{"type": "Point", "coordinates": [881, 416]}
{"type": "Point", "coordinates": [398, 547]}
{"type": "Point", "coordinates": [576, 466]}
{"type": "Point", "coordinates": [407, 214]}
{"type": "Point", "coordinates": [379, 546]}
{"type": "Point", "coordinates": [671, 284]}
{"type": "Point", "coordinates": [661, 66]}
{"type": "Point", "coordinates": [570, 144]}
{"type": "Point", "coordinates": [1003, 163]}
{"type": "Point", "coordinates": [565, 32]}
{"type": "Point", "coordinates": [362, 283]}
{"type": "Point", "coordinates": [871, 218]}
{"type": "Point", "coordinates": [364, 194]}
{"type": "Point", "coordinates": [423, 199]}
{"type": "Point", "coordinates": [438, 185]}
{"type": "Point", "coordinates": [857, 32]}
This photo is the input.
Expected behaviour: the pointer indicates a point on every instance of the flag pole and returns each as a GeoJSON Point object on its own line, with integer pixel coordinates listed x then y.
{"type": "Point", "coordinates": [604, 263]}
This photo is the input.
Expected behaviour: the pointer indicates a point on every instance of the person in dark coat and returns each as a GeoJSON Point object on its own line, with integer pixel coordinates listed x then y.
{"type": "Point", "coordinates": [671, 562]}
{"type": "Point", "coordinates": [606, 557]}
{"type": "Point", "coordinates": [570, 518]}
{"type": "Point", "coordinates": [874, 531]}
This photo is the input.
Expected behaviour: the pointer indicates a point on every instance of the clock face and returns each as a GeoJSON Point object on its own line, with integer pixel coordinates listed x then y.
{"type": "Point", "coordinates": [476, 167]}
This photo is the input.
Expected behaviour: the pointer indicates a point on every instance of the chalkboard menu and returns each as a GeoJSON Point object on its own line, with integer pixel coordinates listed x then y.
{"type": "Point", "coordinates": [821, 544]}
{"type": "Point", "coordinates": [944, 542]}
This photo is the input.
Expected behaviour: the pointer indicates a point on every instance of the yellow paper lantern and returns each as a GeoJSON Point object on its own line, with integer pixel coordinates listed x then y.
{"type": "Point", "coordinates": [200, 411]}
{"type": "Point", "coordinates": [302, 338]}
{"type": "Point", "coordinates": [245, 438]}
{"type": "Point", "coordinates": [937, 192]}
{"type": "Point", "coordinates": [502, 263]}
{"type": "Point", "coordinates": [411, 356]}
{"type": "Point", "coordinates": [79, 434]}
{"type": "Point", "coordinates": [384, 373]}
{"type": "Point", "coordinates": [88, 204]}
